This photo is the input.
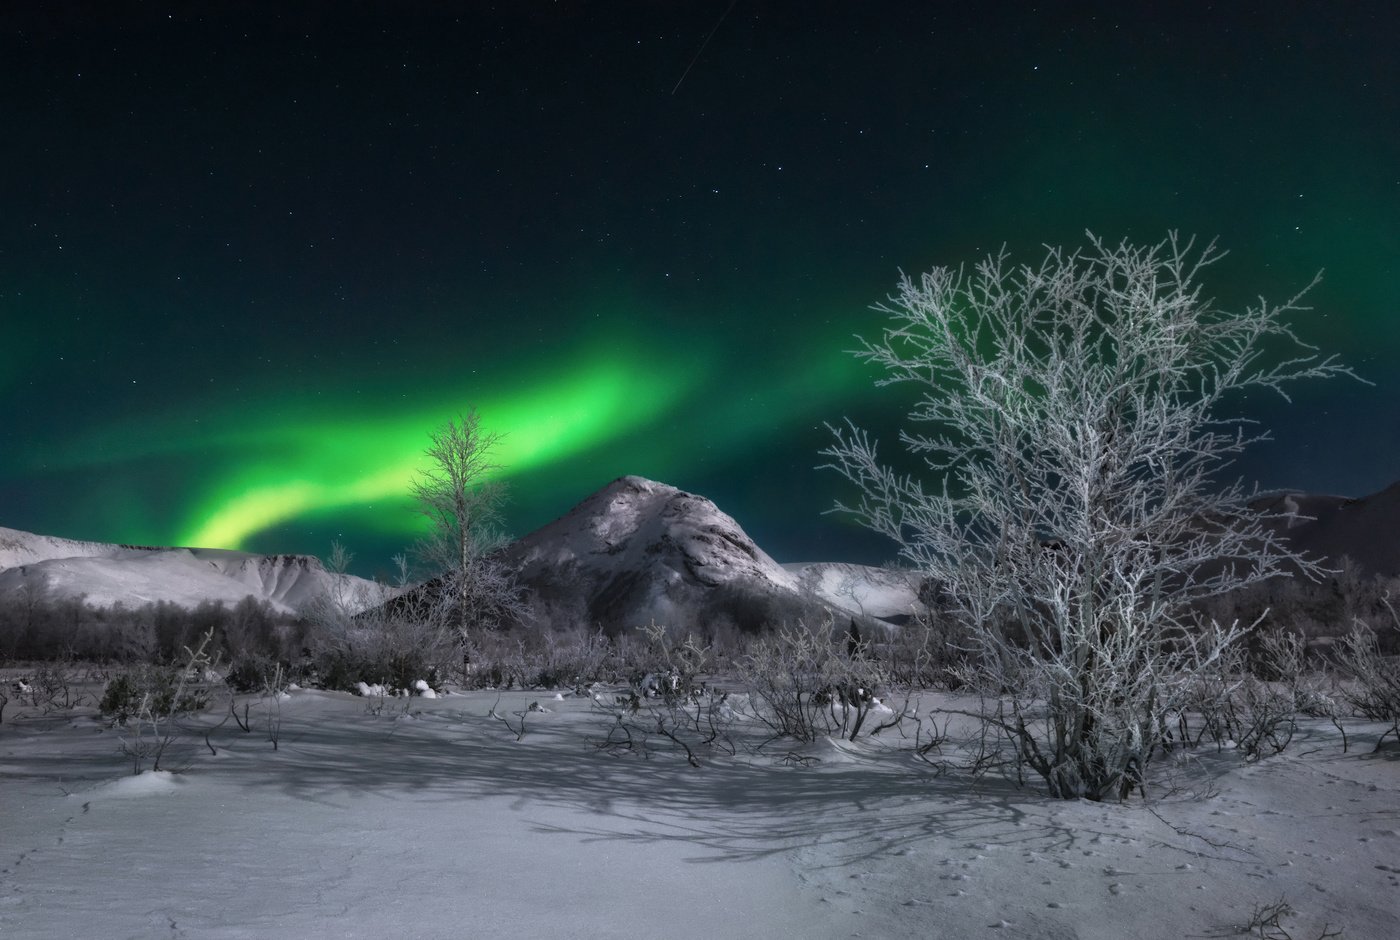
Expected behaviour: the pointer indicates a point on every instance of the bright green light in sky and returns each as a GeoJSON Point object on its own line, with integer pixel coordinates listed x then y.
{"type": "Point", "coordinates": [264, 454]}
{"type": "Point", "coordinates": [343, 461]}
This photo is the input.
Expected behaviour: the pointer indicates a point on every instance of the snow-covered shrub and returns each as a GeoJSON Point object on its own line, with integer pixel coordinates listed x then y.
{"type": "Point", "coordinates": [394, 645]}
{"type": "Point", "coordinates": [699, 722]}
{"type": "Point", "coordinates": [495, 661]}
{"type": "Point", "coordinates": [1282, 657]}
{"type": "Point", "coordinates": [1374, 687]}
{"type": "Point", "coordinates": [535, 658]}
{"type": "Point", "coordinates": [668, 670]}
{"type": "Point", "coordinates": [164, 694]}
{"type": "Point", "coordinates": [121, 698]}
{"type": "Point", "coordinates": [926, 652]}
{"type": "Point", "coordinates": [1072, 417]}
{"type": "Point", "coordinates": [51, 685]}
{"type": "Point", "coordinates": [253, 672]}
{"type": "Point", "coordinates": [1251, 701]}
{"type": "Point", "coordinates": [160, 690]}
{"type": "Point", "coordinates": [807, 683]}
{"type": "Point", "coordinates": [667, 700]}
{"type": "Point", "coordinates": [345, 669]}
{"type": "Point", "coordinates": [574, 659]}
{"type": "Point", "coordinates": [1262, 717]}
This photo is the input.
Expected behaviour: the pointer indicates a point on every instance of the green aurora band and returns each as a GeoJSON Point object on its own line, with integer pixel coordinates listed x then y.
{"type": "Point", "coordinates": [234, 473]}
{"type": "Point", "coordinates": [246, 269]}
{"type": "Point", "coordinates": [341, 461]}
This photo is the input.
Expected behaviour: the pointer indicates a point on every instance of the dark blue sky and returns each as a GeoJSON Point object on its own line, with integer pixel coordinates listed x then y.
{"type": "Point", "coordinates": [250, 257]}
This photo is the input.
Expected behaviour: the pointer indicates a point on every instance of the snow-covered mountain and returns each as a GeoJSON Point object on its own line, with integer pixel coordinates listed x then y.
{"type": "Point", "coordinates": [633, 552]}
{"type": "Point", "coordinates": [104, 574]}
{"type": "Point", "coordinates": [638, 550]}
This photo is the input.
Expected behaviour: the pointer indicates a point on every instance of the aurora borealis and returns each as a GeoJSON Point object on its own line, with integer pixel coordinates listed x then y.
{"type": "Point", "coordinates": [251, 255]}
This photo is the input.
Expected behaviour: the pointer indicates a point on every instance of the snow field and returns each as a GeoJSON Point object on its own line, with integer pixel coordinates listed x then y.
{"type": "Point", "coordinates": [431, 820]}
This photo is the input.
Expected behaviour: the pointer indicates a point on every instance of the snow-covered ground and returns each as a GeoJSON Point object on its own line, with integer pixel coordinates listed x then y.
{"type": "Point", "coordinates": [430, 819]}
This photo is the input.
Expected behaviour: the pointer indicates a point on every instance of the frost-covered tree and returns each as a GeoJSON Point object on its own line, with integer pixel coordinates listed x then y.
{"type": "Point", "coordinates": [332, 611]}
{"type": "Point", "coordinates": [462, 501]}
{"type": "Point", "coordinates": [1074, 418]}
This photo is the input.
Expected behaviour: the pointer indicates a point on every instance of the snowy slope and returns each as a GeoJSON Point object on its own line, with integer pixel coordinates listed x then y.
{"type": "Point", "coordinates": [886, 593]}
{"type": "Point", "coordinates": [25, 548]}
{"type": "Point", "coordinates": [108, 574]}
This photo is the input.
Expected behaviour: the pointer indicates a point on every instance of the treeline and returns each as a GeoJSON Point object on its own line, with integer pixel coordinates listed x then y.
{"type": "Point", "coordinates": [1322, 611]}
{"type": "Point", "coordinates": [331, 647]}
{"type": "Point", "coordinates": [49, 629]}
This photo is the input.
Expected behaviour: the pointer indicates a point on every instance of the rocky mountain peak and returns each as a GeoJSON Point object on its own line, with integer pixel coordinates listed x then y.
{"type": "Point", "coordinates": [638, 550]}
{"type": "Point", "coordinates": [638, 524]}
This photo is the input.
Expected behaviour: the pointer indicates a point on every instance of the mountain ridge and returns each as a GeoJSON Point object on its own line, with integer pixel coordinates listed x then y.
{"type": "Point", "coordinates": [103, 574]}
{"type": "Point", "coordinates": [633, 551]}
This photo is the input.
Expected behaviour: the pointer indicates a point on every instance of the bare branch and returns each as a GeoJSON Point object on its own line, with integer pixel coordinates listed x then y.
{"type": "Point", "coordinates": [1074, 418]}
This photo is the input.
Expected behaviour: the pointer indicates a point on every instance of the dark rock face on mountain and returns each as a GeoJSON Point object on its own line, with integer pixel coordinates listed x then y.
{"type": "Point", "coordinates": [1358, 540]}
{"type": "Point", "coordinates": [1365, 530]}
{"type": "Point", "coordinates": [638, 551]}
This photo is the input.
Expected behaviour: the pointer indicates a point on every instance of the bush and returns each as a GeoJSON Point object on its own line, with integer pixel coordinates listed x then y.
{"type": "Point", "coordinates": [668, 700]}
{"type": "Point", "coordinates": [344, 651]}
{"type": "Point", "coordinates": [121, 700]}
{"type": "Point", "coordinates": [1074, 416]}
{"type": "Point", "coordinates": [928, 651]}
{"type": "Point", "coordinates": [1374, 689]}
{"type": "Point", "coordinates": [543, 659]}
{"type": "Point", "coordinates": [152, 689]}
{"type": "Point", "coordinates": [807, 683]}
{"type": "Point", "coordinates": [253, 672]}
{"type": "Point", "coordinates": [344, 670]}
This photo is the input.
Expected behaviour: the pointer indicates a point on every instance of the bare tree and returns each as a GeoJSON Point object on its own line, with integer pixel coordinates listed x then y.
{"type": "Point", "coordinates": [332, 612]}
{"type": "Point", "coordinates": [1374, 689]}
{"type": "Point", "coordinates": [462, 502]}
{"type": "Point", "coordinates": [393, 644]}
{"type": "Point", "coordinates": [1079, 416]}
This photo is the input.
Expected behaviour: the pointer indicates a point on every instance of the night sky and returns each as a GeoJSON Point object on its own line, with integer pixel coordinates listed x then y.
{"type": "Point", "coordinates": [250, 258]}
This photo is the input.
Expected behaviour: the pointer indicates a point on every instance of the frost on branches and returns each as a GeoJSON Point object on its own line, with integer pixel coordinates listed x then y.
{"type": "Point", "coordinates": [1073, 419]}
